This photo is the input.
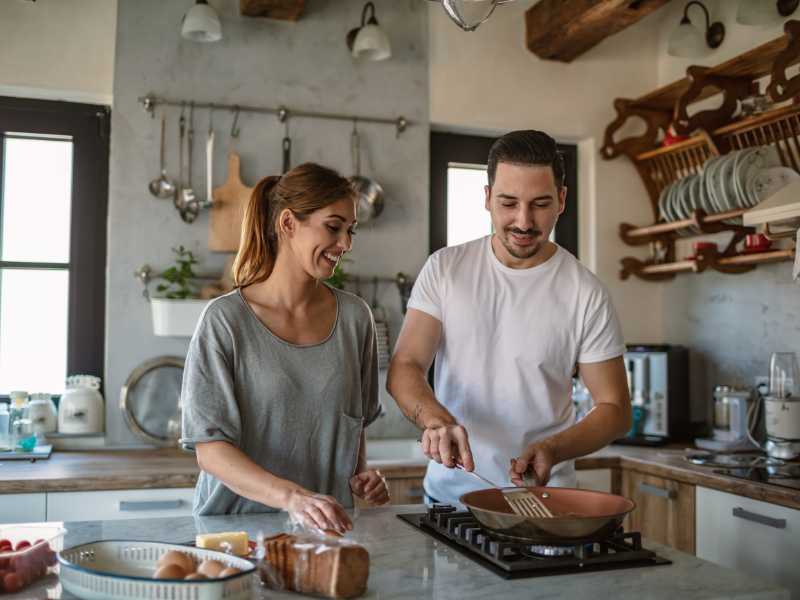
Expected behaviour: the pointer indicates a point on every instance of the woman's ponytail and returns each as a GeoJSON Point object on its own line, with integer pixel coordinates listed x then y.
{"type": "Point", "coordinates": [258, 243]}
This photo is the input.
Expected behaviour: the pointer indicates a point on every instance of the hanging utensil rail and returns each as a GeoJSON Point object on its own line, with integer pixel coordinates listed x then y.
{"type": "Point", "coordinates": [150, 102]}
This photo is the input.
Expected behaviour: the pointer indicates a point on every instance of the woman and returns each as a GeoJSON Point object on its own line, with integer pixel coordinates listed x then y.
{"type": "Point", "coordinates": [281, 374]}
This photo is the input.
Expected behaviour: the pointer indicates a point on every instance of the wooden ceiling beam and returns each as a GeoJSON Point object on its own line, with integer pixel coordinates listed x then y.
{"type": "Point", "coordinates": [559, 30]}
{"type": "Point", "coordinates": [286, 10]}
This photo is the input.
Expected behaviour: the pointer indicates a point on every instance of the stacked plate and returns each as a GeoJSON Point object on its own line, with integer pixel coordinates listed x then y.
{"type": "Point", "coordinates": [739, 179]}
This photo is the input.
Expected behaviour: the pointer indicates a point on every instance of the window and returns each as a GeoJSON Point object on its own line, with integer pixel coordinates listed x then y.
{"type": "Point", "coordinates": [53, 205]}
{"type": "Point", "coordinates": [458, 177]}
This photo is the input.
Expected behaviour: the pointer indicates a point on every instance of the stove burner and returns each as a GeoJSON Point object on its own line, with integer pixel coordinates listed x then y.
{"type": "Point", "coordinates": [513, 558]}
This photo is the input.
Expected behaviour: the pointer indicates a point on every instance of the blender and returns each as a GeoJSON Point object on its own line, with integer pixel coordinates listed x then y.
{"type": "Point", "coordinates": [782, 407]}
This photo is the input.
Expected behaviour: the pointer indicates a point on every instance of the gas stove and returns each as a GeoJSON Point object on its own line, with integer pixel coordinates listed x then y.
{"type": "Point", "coordinates": [512, 559]}
{"type": "Point", "coordinates": [784, 476]}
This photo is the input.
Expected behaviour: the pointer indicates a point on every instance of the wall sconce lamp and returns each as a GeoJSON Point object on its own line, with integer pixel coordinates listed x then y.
{"type": "Point", "coordinates": [369, 41]}
{"type": "Point", "coordinates": [201, 23]}
{"type": "Point", "coordinates": [760, 13]}
{"type": "Point", "coordinates": [686, 40]}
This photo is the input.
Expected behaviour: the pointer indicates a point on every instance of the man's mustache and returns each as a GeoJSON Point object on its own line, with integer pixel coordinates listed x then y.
{"type": "Point", "coordinates": [524, 231]}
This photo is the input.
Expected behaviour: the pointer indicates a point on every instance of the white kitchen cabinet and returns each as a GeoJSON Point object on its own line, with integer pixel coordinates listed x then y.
{"type": "Point", "coordinates": [22, 508]}
{"type": "Point", "coordinates": [119, 504]}
{"type": "Point", "coordinates": [594, 479]}
{"type": "Point", "coordinates": [748, 535]}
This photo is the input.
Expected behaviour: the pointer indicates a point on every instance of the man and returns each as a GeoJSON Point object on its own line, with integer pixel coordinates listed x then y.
{"type": "Point", "coordinates": [508, 318]}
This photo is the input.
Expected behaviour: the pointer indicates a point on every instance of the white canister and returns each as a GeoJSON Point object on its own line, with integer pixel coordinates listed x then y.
{"type": "Point", "coordinates": [42, 413]}
{"type": "Point", "coordinates": [81, 408]}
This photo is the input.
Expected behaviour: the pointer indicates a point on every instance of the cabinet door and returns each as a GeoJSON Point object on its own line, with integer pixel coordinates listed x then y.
{"type": "Point", "coordinates": [119, 504]}
{"type": "Point", "coordinates": [748, 535]}
{"type": "Point", "coordinates": [664, 510]}
{"type": "Point", "coordinates": [22, 508]}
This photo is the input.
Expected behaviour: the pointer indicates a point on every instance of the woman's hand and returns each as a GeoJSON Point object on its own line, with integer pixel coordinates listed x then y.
{"type": "Point", "coordinates": [370, 486]}
{"type": "Point", "coordinates": [317, 510]}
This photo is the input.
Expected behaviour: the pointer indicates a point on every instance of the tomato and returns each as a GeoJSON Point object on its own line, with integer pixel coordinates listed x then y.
{"type": "Point", "coordinates": [12, 583]}
{"type": "Point", "coordinates": [22, 544]}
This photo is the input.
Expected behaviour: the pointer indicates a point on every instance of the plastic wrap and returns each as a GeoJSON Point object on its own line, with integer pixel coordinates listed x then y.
{"type": "Point", "coordinates": [313, 562]}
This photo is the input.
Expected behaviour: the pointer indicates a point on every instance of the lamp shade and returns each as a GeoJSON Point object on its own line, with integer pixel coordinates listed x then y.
{"type": "Point", "coordinates": [372, 43]}
{"type": "Point", "coordinates": [201, 23]}
{"type": "Point", "coordinates": [687, 41]}
{"type": "Point", "coordinates": [757, 13]}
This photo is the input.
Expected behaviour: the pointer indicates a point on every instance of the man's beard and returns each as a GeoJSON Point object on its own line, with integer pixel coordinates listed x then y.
{"type": "Point", "coordinates": [521, 253]}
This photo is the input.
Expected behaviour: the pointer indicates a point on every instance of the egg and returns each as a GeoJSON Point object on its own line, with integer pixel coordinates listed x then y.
{"type": "Point", "coordinates": [193, 576]}
{"type": "Point", "coordinates": [171, 571]}
{"type": "Point", "coordinates": [174, 557]}
{"type": "Point", "coordinates": [210, 568]}
{"type": "Point", "coordinates": [228, 571]}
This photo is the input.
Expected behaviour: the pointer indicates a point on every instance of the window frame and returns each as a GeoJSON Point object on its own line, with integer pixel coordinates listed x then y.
{"type": "Point", "coordinates": [447, 148]}
{"type": "Point", "coordinates": [89, 127]}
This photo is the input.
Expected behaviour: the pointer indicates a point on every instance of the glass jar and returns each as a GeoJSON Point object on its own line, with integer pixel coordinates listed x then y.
{"type": "Point", "coordinates": [5, 416]}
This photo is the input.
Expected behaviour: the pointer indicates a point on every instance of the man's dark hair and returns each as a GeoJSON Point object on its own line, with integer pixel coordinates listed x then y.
{"type": "Point", "coordinates": [527, 147]}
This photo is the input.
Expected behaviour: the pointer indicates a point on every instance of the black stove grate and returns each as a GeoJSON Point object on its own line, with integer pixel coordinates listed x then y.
{"type": "Point", "coordinates": [514, 559]}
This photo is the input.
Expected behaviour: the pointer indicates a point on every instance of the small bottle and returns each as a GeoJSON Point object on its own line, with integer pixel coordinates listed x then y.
{"type": "Point", "coordinates": [5, 443]}
{"type": "Point", "coordinates": [20, 426]}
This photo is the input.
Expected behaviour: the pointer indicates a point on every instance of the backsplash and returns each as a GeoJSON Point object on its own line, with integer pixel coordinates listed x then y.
{"type": "Point", "coordinates": [731, 324]}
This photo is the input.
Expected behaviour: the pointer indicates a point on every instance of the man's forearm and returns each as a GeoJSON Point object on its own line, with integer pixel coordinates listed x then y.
{"type": "Point", "coordinates": [602, 425]}
{"type": "Point", "coordinates": [409, 387]}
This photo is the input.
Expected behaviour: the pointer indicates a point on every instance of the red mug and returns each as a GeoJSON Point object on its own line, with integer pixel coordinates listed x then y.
{"type": "Point", "coordinates": [757, 241]}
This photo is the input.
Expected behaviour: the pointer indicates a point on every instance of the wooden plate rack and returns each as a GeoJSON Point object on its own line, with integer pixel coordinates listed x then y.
{"type": "Point", "coordinates": [710, 133]}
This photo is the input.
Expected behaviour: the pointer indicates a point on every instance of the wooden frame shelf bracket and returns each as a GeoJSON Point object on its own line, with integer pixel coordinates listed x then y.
{"type": "Point", "coordinates": [733, 89]}
{"type": "Point", "coordinates": [780, 88]}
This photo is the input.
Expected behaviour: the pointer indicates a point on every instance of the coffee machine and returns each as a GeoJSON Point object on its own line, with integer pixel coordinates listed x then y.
{"type": "Point", "coordinates": [658, 379]}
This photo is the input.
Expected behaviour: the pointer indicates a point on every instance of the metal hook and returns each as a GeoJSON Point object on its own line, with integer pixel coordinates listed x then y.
{"type": "Point", "coordinates": [401, 125]}
{"type": "Point", "coordinates": [234, 128]}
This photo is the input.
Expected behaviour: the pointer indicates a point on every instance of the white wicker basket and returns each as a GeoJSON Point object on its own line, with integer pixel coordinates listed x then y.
{"type": "Point", "coordinates": [122, 570]}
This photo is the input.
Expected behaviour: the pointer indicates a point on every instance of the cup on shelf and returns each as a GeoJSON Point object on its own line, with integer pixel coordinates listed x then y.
{"type": "Point", "coordinates": [757, 242]}
{"type": "Point", "coordinates": [698, 246]}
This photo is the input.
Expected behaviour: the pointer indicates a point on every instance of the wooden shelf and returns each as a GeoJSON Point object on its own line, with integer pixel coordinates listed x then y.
{"type": "Point", "coordinates": [753, 64]}
{"type": "Point", "coordinates": [707, 259]}
{"type": "Point", "coordinates": [706, 224]}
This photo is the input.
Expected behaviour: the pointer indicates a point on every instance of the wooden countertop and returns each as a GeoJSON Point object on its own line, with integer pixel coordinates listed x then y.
{"type": "Point", "coordinates": [164, 468]}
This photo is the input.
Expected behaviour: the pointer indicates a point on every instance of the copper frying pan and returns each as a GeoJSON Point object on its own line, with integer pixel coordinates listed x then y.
{"type": "Point", "coordinates": [580, 514]}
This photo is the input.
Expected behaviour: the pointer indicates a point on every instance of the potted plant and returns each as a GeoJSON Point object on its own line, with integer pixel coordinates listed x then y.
{"type": "Point", "coordinates": [178, 308]}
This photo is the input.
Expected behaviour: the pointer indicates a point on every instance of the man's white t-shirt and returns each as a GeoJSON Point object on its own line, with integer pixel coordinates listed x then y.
{"type": "Point", "coordinates": [511, 339]}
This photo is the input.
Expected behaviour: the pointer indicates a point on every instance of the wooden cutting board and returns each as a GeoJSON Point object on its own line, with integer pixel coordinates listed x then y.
{"type": "Point", "coordinates": [230, 199]}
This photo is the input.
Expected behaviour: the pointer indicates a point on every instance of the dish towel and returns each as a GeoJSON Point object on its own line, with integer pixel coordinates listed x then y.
{"type": "Point", "coordinates": [796, 269]}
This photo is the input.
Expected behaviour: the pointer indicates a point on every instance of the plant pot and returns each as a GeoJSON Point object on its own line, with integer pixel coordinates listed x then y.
{"type": "Point", "coordinates": [176, 318]}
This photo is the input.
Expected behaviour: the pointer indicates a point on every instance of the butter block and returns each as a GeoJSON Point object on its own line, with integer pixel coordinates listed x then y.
{"type": "Point", "coordinates": [234, 542]}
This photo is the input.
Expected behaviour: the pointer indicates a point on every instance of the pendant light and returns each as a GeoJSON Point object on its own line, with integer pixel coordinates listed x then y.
{"type": "Point", "coordinates": [687, 40]}
{"type": "Point", "coordinates": [201, 23]}
{"type": "Point", "coordinates": [468, 14]}
{"type": "Point", "coordinates": [763, 13]}
{"type": "Point", "coordinates": [369, 41]}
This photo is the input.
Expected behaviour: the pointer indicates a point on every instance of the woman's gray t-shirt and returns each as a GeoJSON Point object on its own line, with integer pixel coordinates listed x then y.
{"type": "Point", "coordinates": [297, 411]}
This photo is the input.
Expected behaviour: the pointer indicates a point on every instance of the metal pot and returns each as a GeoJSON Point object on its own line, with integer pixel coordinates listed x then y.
{"type": "Point", "coordinates": [369, 191]}
{"type": "Point", "coordinates": [581, 514]}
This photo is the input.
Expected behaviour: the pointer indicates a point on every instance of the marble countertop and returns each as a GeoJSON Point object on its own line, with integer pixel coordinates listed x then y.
{"type": "Point", "coordinates": [406, 563]}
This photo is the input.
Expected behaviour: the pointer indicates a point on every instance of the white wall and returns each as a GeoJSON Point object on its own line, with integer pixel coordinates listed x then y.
{"type": "Point", "coordinates": [58, 49]}
{"type": "Point", "coordinates": [488, 80]}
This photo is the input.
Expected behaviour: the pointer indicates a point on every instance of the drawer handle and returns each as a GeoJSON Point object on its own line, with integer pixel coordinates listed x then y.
{"type": "Point", "coordinates": [756, 518]}
{"type": "Point", "coordinates": [134, 505]}
{"type": "Point", "coordinates": [654, 490]}
{"type": "Point", "coordinates": [415, 492]}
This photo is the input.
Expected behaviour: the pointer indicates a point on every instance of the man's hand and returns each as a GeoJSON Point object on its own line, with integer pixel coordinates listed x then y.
{"type": "Point", "coordinates": [539, 457]}
{"type": "Point", "coordinates": [448, 445]}
{"type": "Point", "coordinates": [370, 486]}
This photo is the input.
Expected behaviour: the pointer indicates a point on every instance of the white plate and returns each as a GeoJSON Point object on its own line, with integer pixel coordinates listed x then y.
{"type": "Point", "coordinates": [724, 176]}
{"type": "Point", "coordinates": [746, 162]}
{"type": "Point", "coordinates": [709, 182]}
{"type": "Point", "coordinates": [662, 203]}
{"type": "Point", "coordinates": [768, 182]}
{"type": "Point", "coordinates": [669, 203]}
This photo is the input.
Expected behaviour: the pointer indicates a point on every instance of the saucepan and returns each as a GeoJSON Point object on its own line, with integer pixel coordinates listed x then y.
{"type": "Point", "coordinates": [579, 514]}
